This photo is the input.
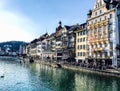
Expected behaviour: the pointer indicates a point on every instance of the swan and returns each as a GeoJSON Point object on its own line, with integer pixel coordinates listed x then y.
{"type": "Point", "coordinates": [2, 76]}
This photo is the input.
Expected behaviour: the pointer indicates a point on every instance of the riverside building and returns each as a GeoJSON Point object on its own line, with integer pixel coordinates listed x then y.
{"type": "Point", "coordinates": [103, 26]}
{"type": "Point", "coordinates": [80, 43]}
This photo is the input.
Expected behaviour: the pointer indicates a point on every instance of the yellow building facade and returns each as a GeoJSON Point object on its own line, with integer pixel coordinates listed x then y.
{"type": "Point", "coordinates": [80, 45]}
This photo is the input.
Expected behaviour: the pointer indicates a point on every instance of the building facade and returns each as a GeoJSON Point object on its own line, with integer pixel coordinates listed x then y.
{"type": "Point", "coordinates": [81, 43]}
{"type": "Point", "coordinates": [51, 41]}
{"type": "Point", "coordinates": [58, 45]}
{"type": "Point", "coordinates": [64, 39]}
{"type": "Point", "coordinates": [103, 35]}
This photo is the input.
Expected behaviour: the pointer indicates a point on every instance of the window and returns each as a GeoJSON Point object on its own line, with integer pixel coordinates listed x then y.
{"type": "Point", "coordinates": [83, 46]}
{"type": "Point", "coordinates": [110, 19]}
{"type": "Point", "coordinates": [111, 45]}
{"type": "Point", "coordinates": [83, 53]}
{"type": "Point", "coordinates": [100, 54]}
{"type": "Point", "coordinates": [96, 46]}
{"type": "Point", "coordinates": [111, 53]}
{"type": "Point", "coordinates": [105, 17]}
{"type": "Point", "coordinates": [80, 53]}
{"type": "Point", "coordinates": [78, 33]}
{"type": "Point", "coordinates": [105, 44]}
{"type": "Point", "coordinates": [100, 3]}
{"type": "Point", "coordinates": [88, 47]}
{"type": "Point", "coordinates": [105, 28]}
{"type": "Point", "coordinates": [100, 11]}
{"type": "Point", "coordinates": [95, 13]}
{"type": "Point", "coordinates": [81, 33]}
{"type": "Point", "coordinates": [96, 30]}
{"type": "Point", "coordinates": [91, 22]}
{"type": "Point", "coordinates": [110, 35]}
{"type": "Point", "coordinates": [43, 43]}
{"type": "Point", "coordinates": [59, 54]}
{"type": "Point", "coordinates": [110, 27]}
{"type": "Point", "coordinates": [100, 45]}
{"type": "Point", "coordinates": [105, 35]}
{"type": "Point", "coordinates": [80, 46]}
{"type": "Point", "coordinates": [110, 6]}
{"type": "Point", "coordinates": [100, 29]}
{"type": "Point", "coordinates": [95, 21]}
{"type": "Point", "coordinates": [110, 16]}
{"type": "Point", "coordinates": [88, 23]}
{"type": "Point", "coordinates": [100, 19]}
{"type": "Point", "coordinates": [105, 54]}
{"type": "Point", "coordinates": [80, 39]}
{"type": "Point", "coordinates": [92, 46]}
{"type": "Point", "coordinates": [83, 39]}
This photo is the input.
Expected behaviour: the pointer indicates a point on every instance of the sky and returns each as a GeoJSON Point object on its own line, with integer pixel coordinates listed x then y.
{"type": "Point", "coordinates": [25, 20]}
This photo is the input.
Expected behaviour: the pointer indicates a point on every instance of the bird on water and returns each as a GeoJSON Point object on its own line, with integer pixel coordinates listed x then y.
{"type": "Point", "coordinates": [2, 76]}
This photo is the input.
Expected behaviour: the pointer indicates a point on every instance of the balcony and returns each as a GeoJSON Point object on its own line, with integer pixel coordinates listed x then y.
{"type": "Point", "coordinates": [98, 40]}
{"type": "Point", "coordinates": [99, 49]}
{"type": "Point", "coordinates": [106, 39]}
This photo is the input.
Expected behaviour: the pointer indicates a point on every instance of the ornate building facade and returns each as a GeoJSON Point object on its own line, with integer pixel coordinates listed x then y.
{"type": "Point", "coordinates": [103, 32]}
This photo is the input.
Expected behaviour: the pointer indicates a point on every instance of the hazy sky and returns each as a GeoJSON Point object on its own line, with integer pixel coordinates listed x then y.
{"type": "Point", "coordinates": [25, 20]}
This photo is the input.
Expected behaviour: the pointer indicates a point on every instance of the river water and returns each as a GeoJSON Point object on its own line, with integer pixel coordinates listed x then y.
{"type": "Point", "coordinates": [37, 77]}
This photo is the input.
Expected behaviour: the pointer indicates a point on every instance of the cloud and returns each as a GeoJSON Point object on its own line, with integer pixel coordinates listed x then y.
{"type": "Point", "coordinates": [15, 25]}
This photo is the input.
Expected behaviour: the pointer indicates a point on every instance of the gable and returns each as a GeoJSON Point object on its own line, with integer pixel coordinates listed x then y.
{"type": "Point", "coordinates": [98, 3]}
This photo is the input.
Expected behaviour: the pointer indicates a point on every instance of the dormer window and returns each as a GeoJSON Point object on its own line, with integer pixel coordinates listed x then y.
{"type": "Point", "coordinates": [96, 5]}
{"type": "Point", "coordinates": [111, 6]}
{"type": "Point", "coordinates": [100, 3]}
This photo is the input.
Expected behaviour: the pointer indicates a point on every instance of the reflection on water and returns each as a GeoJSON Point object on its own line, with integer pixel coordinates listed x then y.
{"type": "Point", "coordinates": [37, 77]}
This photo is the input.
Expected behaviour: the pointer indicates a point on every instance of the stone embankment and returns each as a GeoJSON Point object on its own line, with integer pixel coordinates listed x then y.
{"type": "Point", "coordinates": [107, 72]}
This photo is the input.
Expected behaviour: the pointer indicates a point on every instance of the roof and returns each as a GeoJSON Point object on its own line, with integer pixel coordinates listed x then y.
{"type": "Point", "coordinates": [34, 41]}
{"type": "Point", "coordinates": [74, 27]}
{"type": "Point", "coordinates": [113, 2]}
{"type": "Point", "coordinates": [44, 36]}
{"type": "Point", "coordinates": [67, 27]}
{"type": "Point", "coordinates": [51, 35]}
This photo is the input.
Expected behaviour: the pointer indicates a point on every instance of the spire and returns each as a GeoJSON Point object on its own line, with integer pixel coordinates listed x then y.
{"type": "Point", "coordinates": [60, 23]}
{"type": "Point", "coordinates": [59, 26]}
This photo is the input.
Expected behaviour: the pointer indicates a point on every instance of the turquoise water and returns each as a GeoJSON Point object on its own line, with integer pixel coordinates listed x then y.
{"type": "Point", "coordinates": [37, 77]}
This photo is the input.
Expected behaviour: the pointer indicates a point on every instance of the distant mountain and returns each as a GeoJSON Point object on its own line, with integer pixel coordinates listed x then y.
{"type": "Point", "coordinates": [13, 45]}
